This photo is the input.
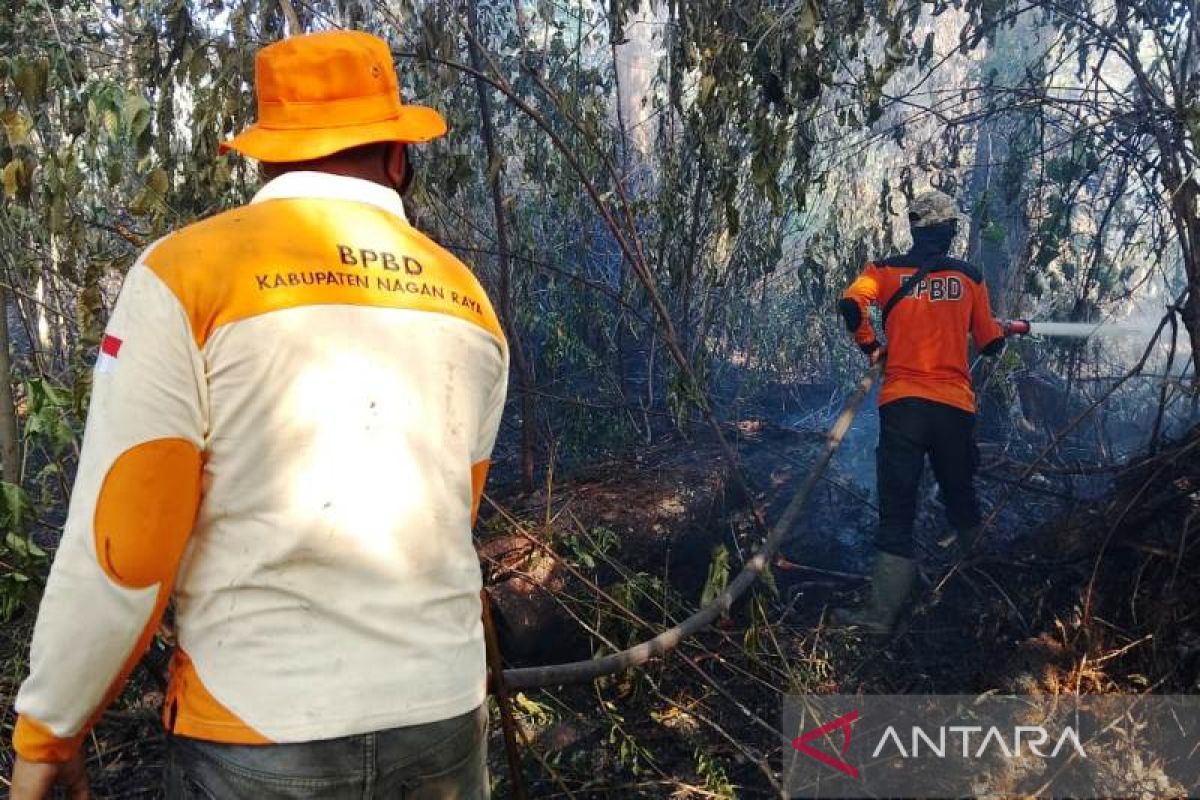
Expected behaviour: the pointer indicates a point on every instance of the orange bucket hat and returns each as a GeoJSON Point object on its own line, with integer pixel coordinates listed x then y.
{"type": "Point", "coordinates": [324, 92]}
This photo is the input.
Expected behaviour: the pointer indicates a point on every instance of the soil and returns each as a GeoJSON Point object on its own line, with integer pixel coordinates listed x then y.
{"type": "Point", "coordinates": [1086, 583]}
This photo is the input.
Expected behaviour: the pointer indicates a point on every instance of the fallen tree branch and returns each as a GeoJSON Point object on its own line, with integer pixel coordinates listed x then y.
{"type": "Point", "coordinates": [756, 565]}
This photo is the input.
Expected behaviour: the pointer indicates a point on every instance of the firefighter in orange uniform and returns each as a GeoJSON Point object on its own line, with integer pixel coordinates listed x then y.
{"type": "Point", "coordinates": [292, 419]}
{"type": "Point", "coordinates": [931, 303]}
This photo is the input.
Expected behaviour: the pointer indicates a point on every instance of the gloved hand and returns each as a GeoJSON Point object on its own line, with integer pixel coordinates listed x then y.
{"type": "Point", "coordinates": [874, 351]}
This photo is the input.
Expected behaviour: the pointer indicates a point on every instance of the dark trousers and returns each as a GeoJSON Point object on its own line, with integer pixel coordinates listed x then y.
{"type": "Point", "coordinates": [444, 760]}
{"type": "Point", "coordinates": [910, 429]}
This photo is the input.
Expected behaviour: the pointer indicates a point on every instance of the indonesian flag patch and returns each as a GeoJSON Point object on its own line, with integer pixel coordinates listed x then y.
{"type": "Point", "coordinates": [110, 348]}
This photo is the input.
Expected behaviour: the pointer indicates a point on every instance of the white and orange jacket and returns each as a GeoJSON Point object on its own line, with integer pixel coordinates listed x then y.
{"type": "Point", "coordinates": [292, 419]}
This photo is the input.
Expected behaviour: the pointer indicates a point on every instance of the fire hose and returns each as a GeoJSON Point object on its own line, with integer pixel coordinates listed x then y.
{"type": "Point", "coordinates": [759, 562]}
{"type": "Point", "coordinates": [504, 681]}
{"type": "Point", "coordinates": [756, 565]}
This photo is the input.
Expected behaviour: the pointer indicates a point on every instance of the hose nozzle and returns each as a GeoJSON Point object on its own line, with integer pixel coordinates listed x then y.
{"type": "Point", "coordinates": [1016, 327]}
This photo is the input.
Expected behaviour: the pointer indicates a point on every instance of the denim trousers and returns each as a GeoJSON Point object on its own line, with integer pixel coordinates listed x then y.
{"type": "Point", "coordinates": [444, 760]}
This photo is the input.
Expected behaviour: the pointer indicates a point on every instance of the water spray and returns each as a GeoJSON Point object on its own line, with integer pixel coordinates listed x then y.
{"type": "Point", "coordinates": [1070, 330]}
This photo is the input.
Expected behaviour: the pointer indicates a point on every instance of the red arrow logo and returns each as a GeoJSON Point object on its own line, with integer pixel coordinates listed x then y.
{"type": "Point", "coordinates": [844, 723]}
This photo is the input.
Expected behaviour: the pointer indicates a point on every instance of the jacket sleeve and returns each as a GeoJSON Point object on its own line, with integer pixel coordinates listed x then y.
{"type": "Point", "coordinates": [987, 332]}
{"type": "Point", "coordinates": [131, 513]}
{"type": "Point", "coordinates": [855, 308]}
{"type": "Point", "coordinates": [486, 439]}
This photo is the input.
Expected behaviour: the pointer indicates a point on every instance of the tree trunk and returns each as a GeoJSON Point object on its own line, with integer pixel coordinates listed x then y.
{"type": "Point", "coordinates": [1185, 207]}
{"type": "Point", "coordinates": [504, 278]}
{"type": "Point", "coordinates": [1189, 229]}
{"type": "Point", "coordinates": [10, 437]}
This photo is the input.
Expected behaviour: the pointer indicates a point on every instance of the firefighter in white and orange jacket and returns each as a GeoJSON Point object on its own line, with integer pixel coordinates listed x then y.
{"type": "Point", "coordinates": [291, 423]}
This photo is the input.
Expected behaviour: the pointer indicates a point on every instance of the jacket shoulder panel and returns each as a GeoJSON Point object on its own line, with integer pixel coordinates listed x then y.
{"type": "Point", "coordinates": [958, 265]}
{"type": "Point", "coordinates": [287, 253]}
{"type": "Point", "coordinates": [940, 264]}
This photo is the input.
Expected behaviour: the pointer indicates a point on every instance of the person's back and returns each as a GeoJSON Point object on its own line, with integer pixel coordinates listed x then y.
{"type": "Point", "coordinates": [355, 371]}
{"type": "Point", "coordinates": [931, 305]}
{"type": "Point", "coordinates": [926, 329]}
{"type": "Point", "coordinates": [291, 424]}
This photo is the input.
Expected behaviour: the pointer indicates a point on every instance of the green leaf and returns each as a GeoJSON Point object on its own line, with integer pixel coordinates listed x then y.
{"type": "Point", "coordinates": [15, 509]}
{"type": "Point", "coordinates": [994, 233]}
{"type": "Point", "coordinates": [158, 182]}
{"type": "Point", "coordinates": [152, 195]}
{"type": "Point", "coordinates": [111, 121]}
{"type": "Point", "coordinates": [15, 178]}
{"type": "Point", "coordinates": [718, 575]}
{"type": "Point", "coordinates": [222, 172]}
{"type": "Point", "coordinates": [15, 543]}
{"type": "Point", "coordinates": [31, 80]}
{"type": "Point", "coordinates": [57, 220]}
{"type": "Point", "coordinates": [17, 127]}
{"type": "Point", "coordinates": [806, 22]}
{"type": "Point", "coordinates": [35, 424]}
{"type": "Point", "coordinates": [139, 206]}
{"type": "Point", "coordinates": [136, 114]}
{"type": "Point", "coordinates": [63, 436]}
{"type": "Point", "coordinates": [55, 396]}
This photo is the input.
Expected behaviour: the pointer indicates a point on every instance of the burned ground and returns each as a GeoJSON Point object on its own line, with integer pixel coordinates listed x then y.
{"type": "Point", "coordinates": [1086, 582]}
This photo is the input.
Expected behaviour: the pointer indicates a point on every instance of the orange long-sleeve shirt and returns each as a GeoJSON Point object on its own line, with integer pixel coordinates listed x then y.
{"type": "Point", "coordinates": [927, 330]}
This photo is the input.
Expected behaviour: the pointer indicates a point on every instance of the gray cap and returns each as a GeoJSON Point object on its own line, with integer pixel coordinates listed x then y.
{"type": "Point", "coordinates": [931, 208]}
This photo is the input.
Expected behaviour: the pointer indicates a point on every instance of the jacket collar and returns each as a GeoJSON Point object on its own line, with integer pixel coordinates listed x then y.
{"type": "Point", "coordinates": [323, 185]}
